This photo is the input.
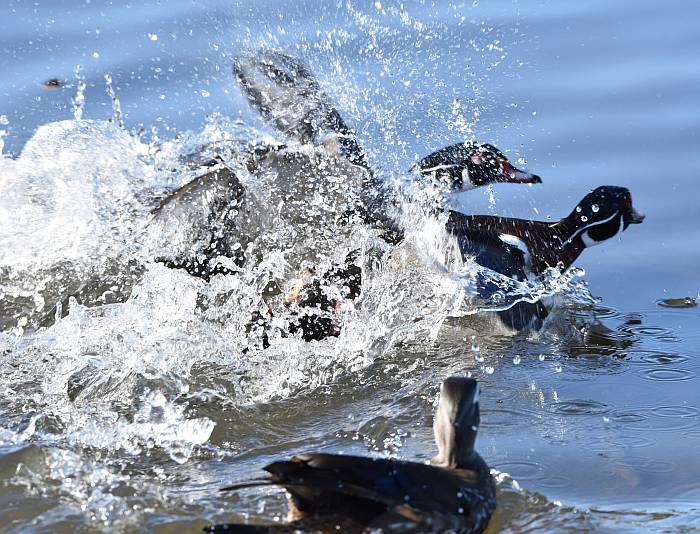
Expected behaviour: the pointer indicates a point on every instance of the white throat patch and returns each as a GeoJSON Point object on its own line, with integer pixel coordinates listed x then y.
{"type": "Point", "coordinates": [588, 241]}
{"type": "Point", "coordinates": [585, 238]}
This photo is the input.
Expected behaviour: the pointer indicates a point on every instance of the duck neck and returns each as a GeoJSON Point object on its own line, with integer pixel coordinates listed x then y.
{"type": "Point", "coordinates": [455, 447]}
{"type": "Point", "coordinates": [452, 459]}
{"type": "Point", "coordinates": [571, 243]}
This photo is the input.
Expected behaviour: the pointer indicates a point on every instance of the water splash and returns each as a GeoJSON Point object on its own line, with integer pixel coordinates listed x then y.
{"type": "Point", "coordinates": [114, 358]}
{"type": "Point", "coordinates": [116, 104]}
{"type": "Point", "coordinates": [3, 122]}
{"type": "Point", "coordinates": [79, 98]}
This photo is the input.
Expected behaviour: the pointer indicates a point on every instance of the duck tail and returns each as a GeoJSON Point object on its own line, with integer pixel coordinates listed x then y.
{"type": "Point", "coordinates": [252, 483]}
{"type": "Point", "coordinates": [233, 528]}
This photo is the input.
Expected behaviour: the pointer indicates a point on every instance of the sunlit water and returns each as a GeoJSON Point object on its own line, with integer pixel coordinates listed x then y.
{"type": "Point", "coordinates": [128, 405]}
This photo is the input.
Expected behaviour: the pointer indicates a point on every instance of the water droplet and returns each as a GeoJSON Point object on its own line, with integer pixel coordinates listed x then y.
{"type": "Point", "coordinates": [606, 419]}
{"type": "Point", "coordinates": [153, 36]}
{"type": "Point", "coordinates": [116, 104]}
{"type": "Point", "coordinates": [584, 218]}
{"type": "Point", "coordinates": [595, 208]}
{"type": "Point", "coordinates": [475, 345]}
{"type": "Point", "coordinates": [488, 370]}
{"type": "Point", "coordinates": [516, 360]}
{"type": "Point", "coordinates": [578, 209]}
{"type": "Point", "coordinates": [541, 357]}
{"type": "Point", "coordinates": [96, 55]}
{"type": "Point", "coordinates": [79, 98]}
{"type": "Point", "coordinates": [557, 368]}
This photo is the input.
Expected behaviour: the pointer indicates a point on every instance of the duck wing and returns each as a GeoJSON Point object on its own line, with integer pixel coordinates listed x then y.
{"type": "Point", "coordinates": [380, 490]}
{"type": "Point", "coordinates": [289, 97]}
{"type": "Point", "coordinates": [488, 249]}
{"type": "Point", "coordinates": [198, 223]}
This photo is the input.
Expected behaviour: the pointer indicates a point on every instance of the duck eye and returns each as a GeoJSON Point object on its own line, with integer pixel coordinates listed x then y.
{"type": "Point", "coordinates": [477, 159]}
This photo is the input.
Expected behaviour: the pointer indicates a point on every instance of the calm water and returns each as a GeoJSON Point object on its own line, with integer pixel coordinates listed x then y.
{"type": "Point", "coordinates": [129, 416]}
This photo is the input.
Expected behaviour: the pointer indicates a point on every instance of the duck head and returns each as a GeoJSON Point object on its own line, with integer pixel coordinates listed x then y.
{"type": "Point", "coordinates": [456, 422]}
{"type": "Point", "coordinates": [602, 214]}
{"type": "Point", "coordinates": [468, 165]}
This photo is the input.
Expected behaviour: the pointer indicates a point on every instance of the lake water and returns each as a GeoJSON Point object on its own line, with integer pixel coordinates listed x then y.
{"type": "Point", "coordinates": [129, 414]}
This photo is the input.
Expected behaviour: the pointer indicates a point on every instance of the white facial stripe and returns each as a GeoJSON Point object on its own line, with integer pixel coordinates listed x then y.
{"type": "Point", "coordinates": [590, 242]}
{"type": "Point", "coordinates": [437, 168]}
{"type": "Point", "coordinates": [588, 227]}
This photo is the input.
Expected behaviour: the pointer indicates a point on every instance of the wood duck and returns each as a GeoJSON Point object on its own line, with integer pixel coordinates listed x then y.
{"type": "Point", "coordinates": [289, 97]}
{"type": "Point", "coordinates": [521, 248]}
{"type": "Point", "coordinates": [455, 492]}
{"type": "Point", "coordinates": [468, 165]}
{"type": "Point", "coordinates": [213, 217]}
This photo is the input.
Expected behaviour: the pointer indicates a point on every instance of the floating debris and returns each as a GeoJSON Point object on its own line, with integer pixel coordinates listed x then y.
{"type": "Point", "coordinates": [53, 83]}
{"type": "Point", "coordinates": [683, 302]}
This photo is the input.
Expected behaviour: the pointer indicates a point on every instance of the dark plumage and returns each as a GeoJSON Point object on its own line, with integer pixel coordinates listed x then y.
{"type": "Point", "coordinates": [288, 97]}
{"type": "Point", "coordinates": [468, 165]}
{"type": "Point", "coordinates": [331, 493]}
{"type": "Point", "coordinates": [519, 248]}
{"type": "Point", "coordinates": [199, 223]}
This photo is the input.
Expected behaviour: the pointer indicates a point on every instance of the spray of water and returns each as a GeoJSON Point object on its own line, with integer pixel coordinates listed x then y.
{"type": "Point", "coordinates": [104, 349]}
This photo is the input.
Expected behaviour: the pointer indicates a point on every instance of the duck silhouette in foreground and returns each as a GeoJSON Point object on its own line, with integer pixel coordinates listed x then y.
{"type": "Point", "coordinates": [523, 249]}
{"type": "Point", "coordinates": [353, 494]}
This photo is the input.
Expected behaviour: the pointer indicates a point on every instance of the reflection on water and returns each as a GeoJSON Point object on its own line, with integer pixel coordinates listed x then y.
{"type": "Point", "coordinates": [132, 392]}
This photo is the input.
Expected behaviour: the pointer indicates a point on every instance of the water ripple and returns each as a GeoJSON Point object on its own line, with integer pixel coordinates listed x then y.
{"type": "Point", "coordinates": [642, 464]}
{"type": "Point", "coordinates": [660, 418]}
{"type": "Point", "coordinates": [655, 357]}
{"type": "Point", "coordinates": [580, 407]}
{"type": "Point", "coordinates": [608, 444]}
{"type": "Point", "coordinates": [668, 375]}
{"type": "Point", "coordinates": [523, 469]}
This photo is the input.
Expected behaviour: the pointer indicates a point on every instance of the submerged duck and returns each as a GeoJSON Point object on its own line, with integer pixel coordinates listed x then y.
{"type": "Point", "coordinates": [522, 249]}
{"type": "Point", "coordinates": [335, 493]}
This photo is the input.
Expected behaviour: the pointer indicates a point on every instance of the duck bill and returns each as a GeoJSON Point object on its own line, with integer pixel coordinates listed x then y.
{"type": "Point", "coordinates": [513, 175]}
{"type": "Point", "coordinates": [634, 217]}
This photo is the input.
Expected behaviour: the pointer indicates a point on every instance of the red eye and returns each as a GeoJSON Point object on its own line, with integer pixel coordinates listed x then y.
{"type": "Point", "coordinates": [477, 159]}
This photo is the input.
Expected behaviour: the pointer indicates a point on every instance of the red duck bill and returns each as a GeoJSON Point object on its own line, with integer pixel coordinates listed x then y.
{"type": "Point", "coordinates": [513, 175]}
